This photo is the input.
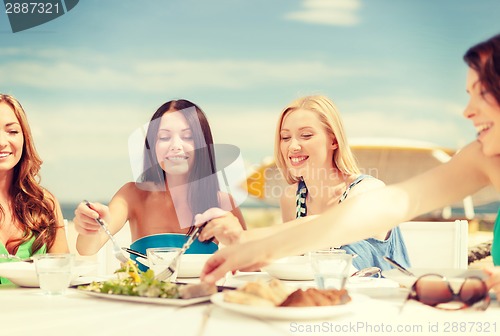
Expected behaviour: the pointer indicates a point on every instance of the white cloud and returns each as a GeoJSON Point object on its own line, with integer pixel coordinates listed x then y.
{"type": "Point", "coordinates": [378, 124]}
{"type": "Point", "coordinates": [60, 70]}
{"type": "Point", "coordinates": [328, 12]}
{"type": "Point", "coordinates": [84, 147]}
{"type": "Point", "coordinates": [409, 105]}
{"type": "Point", "coordinates": [83, 132]}
{"type": "Point", "coordinates": [11, 51]}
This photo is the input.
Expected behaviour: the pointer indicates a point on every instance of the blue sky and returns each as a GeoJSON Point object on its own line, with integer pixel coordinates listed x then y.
{"type": "Point", "coordinates": [91, 77]}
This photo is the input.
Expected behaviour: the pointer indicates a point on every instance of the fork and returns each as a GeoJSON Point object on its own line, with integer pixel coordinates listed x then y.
{"type": "Point", "coordinates": [170, 270]}
{"type": "Point", "coordinates": [14, 257]}
{"type": "Point", "coordinates": [117, 251]}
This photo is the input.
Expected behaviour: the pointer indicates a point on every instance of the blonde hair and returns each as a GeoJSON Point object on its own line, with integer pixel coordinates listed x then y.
{"type": "Point", "coordinates": [327, 112]}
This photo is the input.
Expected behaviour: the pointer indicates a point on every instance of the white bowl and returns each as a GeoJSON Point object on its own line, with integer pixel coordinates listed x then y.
{"type": "Point", "coordinates": [291, 268]}
{"type": "Point", "coordinates": [190, 265]}
{"type": "Point", "coordinates": [23, 274]}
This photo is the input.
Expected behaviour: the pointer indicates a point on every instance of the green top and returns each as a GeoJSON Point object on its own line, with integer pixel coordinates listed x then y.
{"type": "Point", "coordinates": [23, 252]}
{"type": "Point", "coordinates": [495, 247]}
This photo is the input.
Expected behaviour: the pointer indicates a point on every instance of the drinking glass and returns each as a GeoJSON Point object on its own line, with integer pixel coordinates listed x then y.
{"type": "Point", "coordinates": [159, 258]}
{"type": "Point", "coordinates": [54, 272]}
{"type": "Point", "coordinates": [331, 268]}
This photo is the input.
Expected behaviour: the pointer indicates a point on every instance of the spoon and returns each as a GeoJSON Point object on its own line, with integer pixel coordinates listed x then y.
{"type": "Point", "coordinates": [366, 272]}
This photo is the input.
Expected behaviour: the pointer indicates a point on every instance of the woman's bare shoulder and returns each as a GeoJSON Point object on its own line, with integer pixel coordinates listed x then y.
{"type": "Point", "coordinates": [488, 166]}
{"type": "Point", "coordinates": [367, 184]}
{"type": "Point", "coordinates": [132, 188]}
{"type": "Point", "coordinates": [372, 182]}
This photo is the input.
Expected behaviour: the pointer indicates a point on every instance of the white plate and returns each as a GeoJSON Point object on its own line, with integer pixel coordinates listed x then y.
{"type": "Point", "coordinates": [24, 274]}
{"type": "Point", "coordinates": [450, 273]}
{"type": "Point", "coordinates": [190, 265]}
{"type": "Point", "coordinates": [369, 282]}
{"type": "Point", "coordinates": [289, 313]}
{"type": "Point", "coordinates": [291, 268]}
{"type": "Point", "coordinates": [140, 299]}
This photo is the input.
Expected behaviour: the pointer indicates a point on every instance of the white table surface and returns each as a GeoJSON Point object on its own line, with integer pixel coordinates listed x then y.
{"type": "Point", "coordinates": [26, 311]}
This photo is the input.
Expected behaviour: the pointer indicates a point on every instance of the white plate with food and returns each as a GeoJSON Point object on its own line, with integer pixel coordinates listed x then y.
{"type": "Point", "coordinates": [291, 268]}
{"type": "Point", "coordinates": [23, 273]}
{"type": "Point", "coordinates": [452, 274]}
{"type": "Point", "coordinates": [130, 284]}
{"type": "Point", "coordinates": [141, 299]}
{"type": "Point", "coordinates": [289, 313]}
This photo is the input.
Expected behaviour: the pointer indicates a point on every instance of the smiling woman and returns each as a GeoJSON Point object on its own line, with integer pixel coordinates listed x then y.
{"type": "Point", "coordinates": [178, 180]}
{"type": "Point", "coordinates": [30, 217]}
{"type": "Point", "coordinates": [312, 152]}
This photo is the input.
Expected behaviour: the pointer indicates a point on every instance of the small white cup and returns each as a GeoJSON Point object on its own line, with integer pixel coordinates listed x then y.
{"type": "Point", "coordinates": [54, 272]}
{"type": "Point", "coordinates": [331, 268]}
{"type": "Point", "coordinates": [159, 258]}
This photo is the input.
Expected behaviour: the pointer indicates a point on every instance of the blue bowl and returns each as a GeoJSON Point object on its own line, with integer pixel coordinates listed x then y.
{"type": "Point", "coordinates": [170, 240]}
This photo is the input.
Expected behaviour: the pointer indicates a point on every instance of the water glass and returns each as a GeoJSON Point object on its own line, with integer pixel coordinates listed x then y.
{"type": "Point", "coordinates": [54, 272]}
{"type": "Point", "coordinates": [331, 268]}
{"type": "Point", "coordinates": [159, 258]}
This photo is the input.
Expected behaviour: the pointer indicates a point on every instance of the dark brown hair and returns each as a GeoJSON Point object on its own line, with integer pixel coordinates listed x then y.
{"type": "Point", "coordinates": [484, 58]}
{"type": "Point", "coordinates": [203, 194]}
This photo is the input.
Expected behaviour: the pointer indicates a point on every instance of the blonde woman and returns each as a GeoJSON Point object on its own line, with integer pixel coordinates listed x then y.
{"type": "Point", "coordinates": [312, 152]}
{"type": "Point", "coordinates": [31, 220]}
{"type": "Point", "coordinates": [313, 155]}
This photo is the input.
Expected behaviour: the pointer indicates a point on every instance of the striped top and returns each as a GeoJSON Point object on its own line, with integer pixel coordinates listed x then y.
{"type": "Point", "coordinates": [370, 251]}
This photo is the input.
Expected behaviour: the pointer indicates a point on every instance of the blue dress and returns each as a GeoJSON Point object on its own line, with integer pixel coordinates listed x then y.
{"type": "Point", "coordinates": [370, 251]}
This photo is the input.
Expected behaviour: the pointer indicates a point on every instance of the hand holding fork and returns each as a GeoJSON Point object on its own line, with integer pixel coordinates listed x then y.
{"type": "Point", "coordinates": [116, 248]}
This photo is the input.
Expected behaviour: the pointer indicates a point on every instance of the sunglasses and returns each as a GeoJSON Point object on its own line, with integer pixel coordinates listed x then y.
{"type": "Point", "coordinates": [436, 291]}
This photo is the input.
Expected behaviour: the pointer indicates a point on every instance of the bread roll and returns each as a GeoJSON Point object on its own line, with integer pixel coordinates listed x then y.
{"type": "Point", "coordinates": [316, 297]}
{"type": "Point", "coordinates": [264, 290]}
{"type": "Point", "coordinates": [237, 296]}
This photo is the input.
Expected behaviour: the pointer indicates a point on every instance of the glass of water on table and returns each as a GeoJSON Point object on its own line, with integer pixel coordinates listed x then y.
{"type": "Point", "coordinates": [54, 272]}
{"type": "Point", "coordinates": [331, 268]}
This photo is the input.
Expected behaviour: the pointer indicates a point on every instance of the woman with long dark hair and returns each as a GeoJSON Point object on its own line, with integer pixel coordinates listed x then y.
{"type": "Point", "coordinates": [178, 181]}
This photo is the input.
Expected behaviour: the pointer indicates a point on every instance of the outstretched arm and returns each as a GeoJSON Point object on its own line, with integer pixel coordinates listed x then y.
{"type": "Point", "coordinates": [374, 211]}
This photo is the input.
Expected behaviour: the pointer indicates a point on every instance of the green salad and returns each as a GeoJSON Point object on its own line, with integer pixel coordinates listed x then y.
{"type": "Point", "coordinates": [131, 281]}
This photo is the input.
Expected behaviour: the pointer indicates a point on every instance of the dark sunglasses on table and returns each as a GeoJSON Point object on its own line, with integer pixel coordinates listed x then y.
{"type": "Point", "coordinates": [435, 290]}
